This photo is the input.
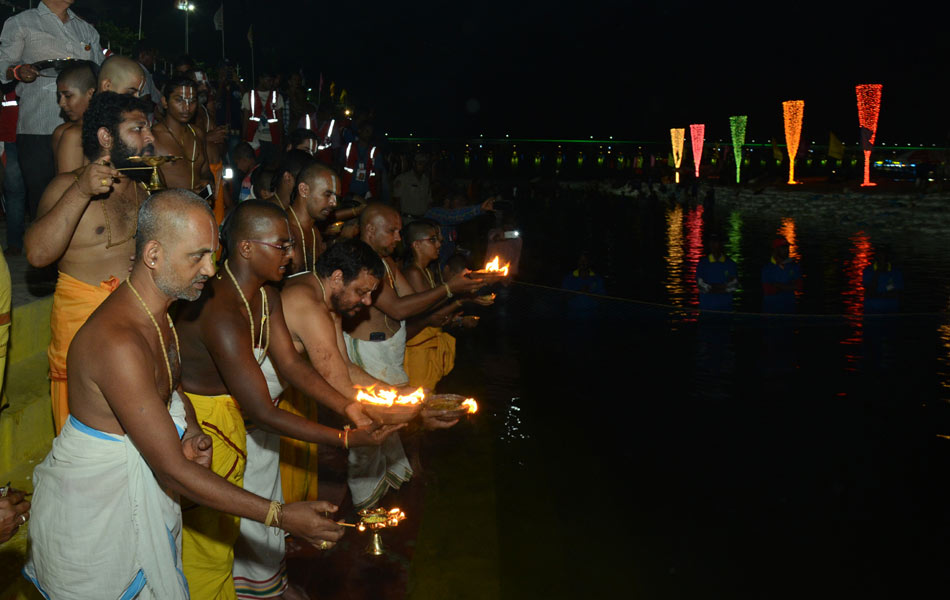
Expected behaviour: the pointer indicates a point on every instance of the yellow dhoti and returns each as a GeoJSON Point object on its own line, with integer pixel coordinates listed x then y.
{"type": "Point", "coordinates": [6, 290]}
{"type": "Point", "coordinates": [209, 535]}
{"type": "Point", "coordinates": [430, 356]}
{"type": "Point", "coordinates": [298, 460]}
{"type": "Point", "coordinates": [73, 302]}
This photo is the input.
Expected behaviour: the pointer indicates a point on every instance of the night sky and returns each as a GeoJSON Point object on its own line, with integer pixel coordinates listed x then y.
{"type": "Point", "coordinates": [627, 69]}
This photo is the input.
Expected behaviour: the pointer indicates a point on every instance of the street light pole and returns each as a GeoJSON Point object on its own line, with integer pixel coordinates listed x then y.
{"type": "Point", "coordinates": [188, 7]}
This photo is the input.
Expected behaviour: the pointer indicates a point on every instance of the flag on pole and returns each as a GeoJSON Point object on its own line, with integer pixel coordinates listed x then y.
{"type": "Point", "coordinates": [835, 147]}
{"type": "Point", "coordinates": [332, 89]}
{"type": "Point", "coordinates": [219, 18]}
{"type": "Point", "coordinates": [250, 35]}
{"type": "Point", "coordinates": [776, 153]}
{"type": "Point", "coordinates": [343, 97]}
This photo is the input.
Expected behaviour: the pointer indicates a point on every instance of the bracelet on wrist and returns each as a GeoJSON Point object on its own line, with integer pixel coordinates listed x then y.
{"type": "Point", "coordinates": [274, 514]}
{"type": "Point", "coordinates": [448, 291]}
{"type": "Point", "coordinates": [16, 72]}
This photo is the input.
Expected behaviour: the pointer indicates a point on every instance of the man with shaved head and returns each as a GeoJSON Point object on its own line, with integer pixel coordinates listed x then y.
{"type": "Point", "coordinates": [316, 196]}
{"type": "Point", "coordinates": [376, 342]}
{"type": "Point", "coordinates": [117, 74]}
{"type": "Point", "coordinates": [132, 444]}
{"type": "Point", "coordinates": [86, 221]}
{"type": "Point", "coordinates": [122, 75]}
{"type": "Point", "coordinates": [234, 342]}
{"type": "Point", "coordinates": [48, 32]}
{"type": "Point", "coordinates": [75, 86]}
{"type": "Point", "coordinates": [285, 180]}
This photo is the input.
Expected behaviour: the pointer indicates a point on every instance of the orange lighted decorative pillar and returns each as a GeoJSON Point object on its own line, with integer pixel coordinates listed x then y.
{"type": "Point", "coordinates": [697, 133]}
{"type": "Point", "coordinates": [869, 105]}
{"type": "Point", "coordinates": [678, 136]}
{"type": "Point", "coordinates": [794, 111]}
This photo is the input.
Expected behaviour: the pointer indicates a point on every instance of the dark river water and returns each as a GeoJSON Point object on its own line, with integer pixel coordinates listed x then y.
{"type": "Point", "coordinates": [644, 450]}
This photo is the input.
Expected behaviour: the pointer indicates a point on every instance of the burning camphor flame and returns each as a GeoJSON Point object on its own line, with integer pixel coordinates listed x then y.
{"type": "Point", "coordinates": [389, 397]}
{"type": "Point", "coordinates": [379, 518]}
{"type": "Point", "coordinates": [492, 267]}
{"type": "Point", "coordinates": [470, 405]}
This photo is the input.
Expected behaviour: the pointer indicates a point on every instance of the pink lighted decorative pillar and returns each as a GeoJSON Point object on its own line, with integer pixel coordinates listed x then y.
{"type": "Point", "coordinates": [869, 106]}
{"type": "Point", "coordinates": [678, 136]}
{"type": "Point", "coordinates": [697, 134]}
{"type": "Point", "coordinates": [794, 111]}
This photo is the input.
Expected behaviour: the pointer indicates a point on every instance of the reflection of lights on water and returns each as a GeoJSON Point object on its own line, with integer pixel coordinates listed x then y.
{"type": "Point", "coordinates": [787, 231]}
{"type": "Point", "coordinates": [674, 256]}
{"type": "Point", "coordinates": [854, 293]}
{"type": "Point", "coordinates": [694, 252]}
{"type": "Point", "coordinates": [513, 427]}
{"type": "Point", "coordinates": [734, 246]}
{"type": "Point", "coordinates": [944, 332]}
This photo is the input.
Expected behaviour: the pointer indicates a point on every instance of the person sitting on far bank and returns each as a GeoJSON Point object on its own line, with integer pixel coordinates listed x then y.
{"type": "Point", "coordinates": [883, 284]}
{"type": "Point", "coordinates": [583, 279]}
{"type": "Point", "coordinates": [781, 278]}
{"type": "Point", "coordinates": [716, 277]}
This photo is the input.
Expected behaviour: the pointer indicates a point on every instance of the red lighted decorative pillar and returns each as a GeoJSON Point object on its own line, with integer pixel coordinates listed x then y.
{"type": "Point", "coordinates": [794, 111]}
{"type": "Point", "coordinates": [697, 134]}
{"type": "Point", "coordinates": [869, 105]}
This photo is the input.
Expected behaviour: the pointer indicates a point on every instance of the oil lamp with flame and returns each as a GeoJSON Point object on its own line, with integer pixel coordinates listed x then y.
{"type": "Point", "coordinates": [376, 520]}
{"type": "Point", "coordinates": [492, 269]}
{"type": "Point", "coordinates": [388, 406]}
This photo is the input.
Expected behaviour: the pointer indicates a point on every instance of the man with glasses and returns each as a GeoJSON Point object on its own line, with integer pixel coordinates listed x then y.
{"type": "Point", "coordinates": [234, 342]}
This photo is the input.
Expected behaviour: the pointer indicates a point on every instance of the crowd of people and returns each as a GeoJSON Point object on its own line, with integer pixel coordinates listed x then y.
{"type": "Point", "coordinates": [197, 323]}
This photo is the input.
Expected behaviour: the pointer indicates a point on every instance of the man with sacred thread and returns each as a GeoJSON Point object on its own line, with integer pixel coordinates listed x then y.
{"type": "Point", "coordinates": [132, 444]}
{"type": "Point", "coordinates": [176, 136]}
{"type": "Point", "coordinates": [86, 221]}
{"type": "Point", "coordinates": [234, 342]}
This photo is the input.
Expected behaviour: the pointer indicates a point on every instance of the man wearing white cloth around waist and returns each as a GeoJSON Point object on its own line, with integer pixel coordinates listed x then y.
{"type": "Point", "coordinates": [376, 342]}
{"type": "Point", "coordinates": [106, 522]}
{"type": "Point", "coordinates": [228, 338]}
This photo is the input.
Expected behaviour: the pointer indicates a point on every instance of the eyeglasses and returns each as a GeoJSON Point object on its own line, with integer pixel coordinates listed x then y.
{"type": "Point", "coordinates": [287, 248]}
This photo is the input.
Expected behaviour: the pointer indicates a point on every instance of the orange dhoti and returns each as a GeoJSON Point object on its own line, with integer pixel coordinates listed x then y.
{"type": "Point", "coordinates": [298, 460]}
{"type": "Point", "coordinates": [73, 302]}
{"type": "Point", "coordinates": [430, 356]}
{"type": "Point", "coordinates": [218, 205]}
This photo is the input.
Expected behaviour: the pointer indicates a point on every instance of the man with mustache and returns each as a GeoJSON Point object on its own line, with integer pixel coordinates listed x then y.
{"type": "Point", "coordinates": [86, 222]}
{"type": "Point", "coordinates": [117, 74]}
{"type": "Point", "coordinates": [107, 522]}
{"type": "Point", "coordinates": [234, 342]}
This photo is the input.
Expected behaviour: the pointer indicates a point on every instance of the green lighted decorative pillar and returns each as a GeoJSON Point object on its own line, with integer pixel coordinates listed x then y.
{"type": "Point", "coordinates": [737, 125]}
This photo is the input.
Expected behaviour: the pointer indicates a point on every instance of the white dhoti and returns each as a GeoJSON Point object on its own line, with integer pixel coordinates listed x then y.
{"type": "Point", "coordinates": [102, 525]}
{"type": "Point", "coordinates": [373, 470]}
{"type": "Point", "coordinates": [259, 569]}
